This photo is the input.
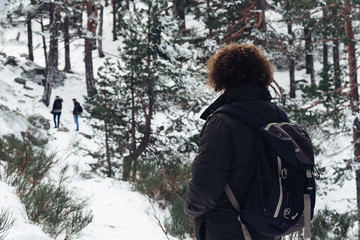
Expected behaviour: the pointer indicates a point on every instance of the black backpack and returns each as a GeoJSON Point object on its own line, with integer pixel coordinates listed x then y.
{"type": "Point", "coordinates": [80, 109]}
{"type": "Point", "coordinates": [282, 197]}
{"type": "Point", "coordinates": [58, 104]}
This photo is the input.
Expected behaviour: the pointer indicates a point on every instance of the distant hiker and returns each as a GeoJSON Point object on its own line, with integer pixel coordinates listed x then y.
{"type": "Point", "coordinates": [56, 110]}
{"type": "Point", "coordinates": [76, 112]}
{"type": "Point", "coordinates": [227, 146]}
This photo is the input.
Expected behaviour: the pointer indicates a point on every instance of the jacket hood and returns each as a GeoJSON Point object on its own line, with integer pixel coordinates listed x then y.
{"type": "Point", "coordinates": [239, 93]}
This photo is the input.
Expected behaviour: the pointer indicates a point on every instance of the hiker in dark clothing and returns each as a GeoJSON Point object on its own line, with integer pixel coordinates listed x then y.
{"type": "Point", "coordinates": [76, 113]}
{"type": "Point", "coordinates": [227, 146]}
{"type": "Point", "coordinates": [56, 110]}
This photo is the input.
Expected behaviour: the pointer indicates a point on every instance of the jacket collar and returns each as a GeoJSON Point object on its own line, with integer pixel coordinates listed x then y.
{"type": "Point", "coordinates": [243, 92]}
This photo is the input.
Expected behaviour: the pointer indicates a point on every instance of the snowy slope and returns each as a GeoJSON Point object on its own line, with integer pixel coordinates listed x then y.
{"type": "Point", "coordinates": [119, 213]}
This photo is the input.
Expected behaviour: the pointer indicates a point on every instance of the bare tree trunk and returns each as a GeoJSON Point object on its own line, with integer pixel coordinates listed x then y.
{"type": "Point", "coordinates": [292, 93]}
{"type": "Point", "coordinates": [30, 39]}
{"type": "Point", "coordinates": [179, 12]}
{"type": "Point", "coordinates": [101, 23]}
{"type": "Point", "coordinates": [309, 55]}
{"type": "Point", "coordinates": [89, 74]}
{"type": "Point", "coordinates": [44, 42]}
{"type": "Point", "coordinates": [114, 12]}
{"type": "Point", "coordinates": [261, 23]}
{"type": "Point", "coordinates": [107, 149]}
{"type": "Point", "coordinates": [325, 46]}
{"type": "Point", "coordinates": [67, 67]}
{"type": "Point", "coordinates": [53, 57]}
{"type": "Point", "coordinates": [354, 94]}
{"type": "Point", "coordinates": [335, 50]}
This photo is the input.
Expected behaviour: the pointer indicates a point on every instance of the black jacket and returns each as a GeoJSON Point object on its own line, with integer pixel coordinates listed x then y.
{"type": "Point", "coordinates": [76, 110]}
{"type": "Point", "coordinates": [226, 154]}
{"type": "Point", "coordinates": [57, 106]}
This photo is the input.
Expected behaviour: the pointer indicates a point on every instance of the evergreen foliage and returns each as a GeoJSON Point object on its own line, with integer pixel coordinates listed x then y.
{"type": "Point", "coordinates": [6, 222]}
{"type": "Point", "coordinates": [57, 209]}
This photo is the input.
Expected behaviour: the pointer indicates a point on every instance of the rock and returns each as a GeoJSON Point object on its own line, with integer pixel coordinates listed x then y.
{"type": "Point", "coordinates": [20, 81]}
{"type": "Point", "coordinates": [39, 121]}
{"type": "Point", "coordinates": [38, 75]}
{"type": "Point", "coordinates": [11, 61]}
{"type": "Point", "coordinates": [63, 129]}
{"type": "Point", "coordinates": [28, 88]}
{"type": "Point", "coordinates": [37, 137]}
{"type": "Point", "coordinates": [86, 135]}
{"type": "Point", "coordinates": [4, 108]}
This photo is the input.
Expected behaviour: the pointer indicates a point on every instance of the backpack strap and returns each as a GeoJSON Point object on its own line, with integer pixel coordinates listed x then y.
{"type": "Point", "coordinates": [282, 116]}
{"type": "Point", "coordinates": [236, 205]}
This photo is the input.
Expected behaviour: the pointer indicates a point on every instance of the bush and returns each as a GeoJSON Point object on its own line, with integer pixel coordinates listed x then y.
{"type": "Point", "coordinates": [6, 222]}
{"type": "Point", "coordinates": [55, 209]}
{"type": "Point", "coordinates": [51, 205]}
{"type": "Point", "coordinates": [166, 184]}
{"type": "Point", "coordinates": [331, 225]}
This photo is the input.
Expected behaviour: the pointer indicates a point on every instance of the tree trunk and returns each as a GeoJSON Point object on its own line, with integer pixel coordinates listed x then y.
{"type": "Point", "coordinates": [325, 46]}
{"type": "Point", "coordinates": [114, 12]}
{"type": "Point", "coordinates": [335, 49]}
{"type": "Point", "coordinates": [30, 39]}
{"type": "Point", "coordinates": [89, 74]}
{"type": "Point", "coordinates": [261, 23]}
{"type": "Point", "coordinates": [353, 92]}
{"type": "Point", "coordinates": [179, 12]}
{"type": "Point", "coordinates": [336, 60]}
{"type": "Point", "coordinates": [44, 42]}
{"type": "Point", "coordinates": [309, 59]}
{"type": "Point", "coordinates": [53, 57]}
{"type": "Point", "coordinates": [101, 23]}
{"type": "Point", "coordinates": [107, 149]}
{"type": "Point", "coordinates": [292, 92]}
{"type": "Point", "coordinates": [67, 67]}
{"type": "Point", "coordinates": [94, 23]}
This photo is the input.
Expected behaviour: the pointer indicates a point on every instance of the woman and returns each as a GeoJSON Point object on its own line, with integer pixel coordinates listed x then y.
{"type": "Point", "coordinates": [227, 146]}
{"type": "Point", "coordinates": [56, 110]}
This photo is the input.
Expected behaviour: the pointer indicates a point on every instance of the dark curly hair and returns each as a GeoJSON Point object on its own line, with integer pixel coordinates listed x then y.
{"type": "Point", "coordinates": [235, 64]}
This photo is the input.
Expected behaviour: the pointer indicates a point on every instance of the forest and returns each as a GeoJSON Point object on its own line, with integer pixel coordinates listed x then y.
{"type": "Point", "coordinates": [144, 99]}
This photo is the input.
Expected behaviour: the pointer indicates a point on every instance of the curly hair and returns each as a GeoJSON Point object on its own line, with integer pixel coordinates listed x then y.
{"type": "Point", "coordinates": [235, 64]}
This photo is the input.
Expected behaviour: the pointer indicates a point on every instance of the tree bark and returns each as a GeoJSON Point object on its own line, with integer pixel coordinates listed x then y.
{"type": "Point", "coordinates": [353, 92]}
{"type": "Point", "coordinates": [107, 149]}
{"type": "Point", "coordinates": [351, 52]}
{"type": "Point", "coordinates": [114, 12]}
{"type": "Point", "coordinates": [67, 67]}
{"type": "Point", "coordinates": [292, 92]}
{"type": "Point", "coordinates": [335, 50]}
{"type": "Point", "coordinates": [261, 23]}
{"type": "Point", "coordinates": [30, 39]}
{"type": "Point", "coordinates": [325, 46]}
{"type": "Point", "coordinates": [89, 74]}
{"type": "Point", "coordinates": [101, 23]}
{"type": "Point", "coordinates": [44, 42]}
{"type": "Point", "coordinates": [53, 57]}
{"type": "Point", "coordinates": [179, 12]}
{"type": "Point", "coordinates": [309, 59]}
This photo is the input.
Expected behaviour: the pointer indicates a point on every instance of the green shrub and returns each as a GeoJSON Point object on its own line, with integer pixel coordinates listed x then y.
{"type": "Point", "coordinates": [166, 184]}
{"type": "Point", "coordinates": [56, 210]}
{"type": "Point", "coordinates": [51, 205]}
{"type": "Point", "coordinates": [331, 225]}
{"type": "Point", "coordinates": [6, 222]}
